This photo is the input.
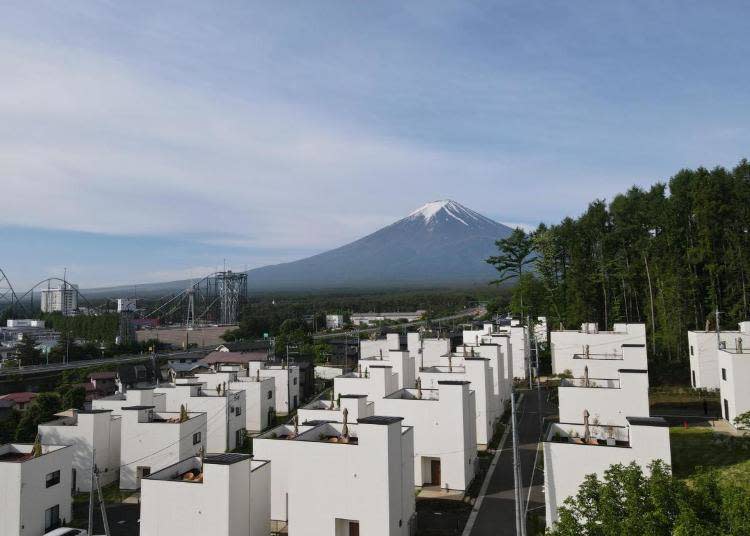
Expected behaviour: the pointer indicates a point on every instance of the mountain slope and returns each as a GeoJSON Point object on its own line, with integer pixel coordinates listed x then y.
{"type": "Point", "coordinates": [441, 242]}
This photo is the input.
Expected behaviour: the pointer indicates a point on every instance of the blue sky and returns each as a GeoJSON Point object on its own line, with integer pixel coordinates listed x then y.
{"type": "Point", "coordinates": [144, 142]}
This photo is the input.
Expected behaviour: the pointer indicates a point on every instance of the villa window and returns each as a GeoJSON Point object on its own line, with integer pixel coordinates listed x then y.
{"type": "Point", "coordinates": [724, 374]}
{"type": "Point", "coordinates": [52, 478]}
{"type": "Point", "coordinates": [196, 438]}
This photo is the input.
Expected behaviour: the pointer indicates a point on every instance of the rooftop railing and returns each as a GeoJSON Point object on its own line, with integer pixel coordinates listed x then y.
{"type": "Point", "coordinates": [591, 383]}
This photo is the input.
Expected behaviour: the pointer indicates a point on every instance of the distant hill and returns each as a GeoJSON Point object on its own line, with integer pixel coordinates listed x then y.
{"type": "Point", "coordinates": [440, 243]}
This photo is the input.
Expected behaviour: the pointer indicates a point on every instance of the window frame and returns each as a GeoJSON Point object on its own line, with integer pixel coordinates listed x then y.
{"type": "Point", "coordinates": [52, 479]}
{"type": "Point", "coordinates": [197, 438]}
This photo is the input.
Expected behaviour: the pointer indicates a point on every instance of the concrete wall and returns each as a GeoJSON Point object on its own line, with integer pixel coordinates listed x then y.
{"type": "Point", "coordinates": [734, 390]}
{"type": "Point", "coordinates": [24, 496]}
{"type": "Point", "coordinates": [565, 344]}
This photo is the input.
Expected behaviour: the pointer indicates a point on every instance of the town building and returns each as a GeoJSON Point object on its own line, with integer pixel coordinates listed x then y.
{"type": "Point", "coordinates": [514, 340]}
{"type": "Point", "coordinates": [259, 393]}
{"type": "Point", "coordinates": [20, 400]}
{"type": "Point", "coordinates": [221, 494]}
{"type": "Point", "coordinates": [34, 489]}
{"type": "Point", "coordinates": [479, 374]}
{"type": "Point", "coordinates": [367, 319]}
{"type": "Point", "coordinates": [574, 450]}
{"type": "Point", "coordinates": [360, 476]}
{"type": "Point", "coordinates": [704, 357]}
{"type": "Point", "coordinates": [334, 321]}
{"type": "Point", "coordinates": [132, 397]}
{"type": "Point", "coordinates": [734, 374]}
{"type": "Point", "coordinates": [63, 299]}
{"type": "Point", "coordinates": [95, 432]}
{"type": "Point", "coordinates": [287, 391]}
{"type": "Point", "coordinates": [427, 351]}
{"type": "Point", "coordinates": [401, 362]}
{"type": "Point", "coordinates": [224, 409]}
{"type": "Point", "coordinates": [608, 400]}
{"type": "Point", "coordinates": [152, 440]}
{"type": "Point", "coordinates": [356, 407]}
{"type": "Point", "coordinates": [606, 364]}
{"type": "Point", "coordinates": [588, 340]}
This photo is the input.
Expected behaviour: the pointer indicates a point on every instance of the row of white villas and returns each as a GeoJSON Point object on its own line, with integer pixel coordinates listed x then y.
{"type": "Point", "coordinates": [722, 361]}
{"type": "Point", "coordinates": [604, 416]}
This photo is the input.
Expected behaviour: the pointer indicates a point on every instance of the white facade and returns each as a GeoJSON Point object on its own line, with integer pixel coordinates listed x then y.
{"type": "Point", "coordinates": [225, 412]}
{"type": "Point", "coordinates": [540, 330]}
{"type": "Point", "coordinates": [517, 346]}
{"type": "Point", "coordinates": [704, 357]}
{"type": "Point", "coordinates": [479, 374]}
{"type": "Point", "coordinates": [126, 305]}
{"type": "Point", "coordinates": [327, 480]}
{"type": "Point", "coordinates": [564, 345]}
{"type": "Point", "coordinates": [133, 397]}
{"type": "Point", "coordinates": [334, 321]}
{"type": "Point", "coordinates": [25, 323]}
{"type": "Point", "coordinates": [609, 401]}
{"type": "Point", "coordinates": [154, 440]}
{"type": "Point", "coordinates": [401, 362]}
{"type": "Point", "coordinates": [225, 495]}
{"type": "Point", "coordinates": [259, 392]}
{"type": "Point", "coordinates": [500, 355]}
{"type": "Point", "coordinates": [63, 299]}
{"type": "Point", "coordinates": [287, 384]}
{"type": "Point", "coordinates": [734, 374]}
{"type": "Point", "coordinates": [377, 382]}
{"type": "Point", "coordinates": [357, 407]}
{"type": "Point", "coordinates": [427, 351]}
{"type": "Point", "coordinates": [445, 435]}
{"type": "Point", "coordinates": [84, 431]}
{"type": "Point", "coordinates": [376, 348]}
{"type": "Point", "coordinates": [606, 365]}
{"type": "Point", "coordinates": [568, 459]}
{"type": "Point", "coordinates": [34, 492]}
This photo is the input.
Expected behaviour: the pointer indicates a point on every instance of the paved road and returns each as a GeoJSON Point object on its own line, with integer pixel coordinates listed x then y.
{"type": "Point", "coordinates": [497, 512]}
{"type": "Point", "coordinates": [55, 367]}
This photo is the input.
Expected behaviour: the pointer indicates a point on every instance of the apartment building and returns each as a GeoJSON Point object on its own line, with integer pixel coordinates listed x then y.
{"type": "Point", "coordinates": [704, 358]}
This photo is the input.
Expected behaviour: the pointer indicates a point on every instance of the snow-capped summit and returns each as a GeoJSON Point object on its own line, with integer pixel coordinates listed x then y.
{"type": "Point", "coordinates": [448, 208]}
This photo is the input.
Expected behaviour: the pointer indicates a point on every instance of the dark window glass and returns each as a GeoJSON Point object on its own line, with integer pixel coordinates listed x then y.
{"type": "Point", "coordinates": [52, 478]}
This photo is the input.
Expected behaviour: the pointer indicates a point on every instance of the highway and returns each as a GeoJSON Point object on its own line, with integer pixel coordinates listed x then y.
{"type": "Point", "coordinates": [119, 360]}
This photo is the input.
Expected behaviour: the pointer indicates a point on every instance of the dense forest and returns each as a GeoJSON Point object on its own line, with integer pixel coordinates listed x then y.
{"type": "Point", "coordinates": [667, 256]}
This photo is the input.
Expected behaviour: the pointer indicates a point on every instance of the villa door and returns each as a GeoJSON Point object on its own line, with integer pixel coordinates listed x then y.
{"type": "Point", "coordinates": [353, 528]}
{"type": "Point", "coordinates": [435, 472]}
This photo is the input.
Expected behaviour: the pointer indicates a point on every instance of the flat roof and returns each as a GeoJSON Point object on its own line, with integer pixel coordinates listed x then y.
{"type": "Point", "coordinates": [379, 419]}
{"type": "Point", "coordinates": [632, 371]}
{"type": "Point", "coordinates": [630, 345]}
{"type": "Point", "coordinates": [228, 458]}
{"type": "Point", "coordinates": [352, 396]}
{"type": "Point", "coordinates": [453, 382]}
{"type": "Point", "coordinates": [139, 407]}
{"type": "Point", "coordinates": [93, 411]}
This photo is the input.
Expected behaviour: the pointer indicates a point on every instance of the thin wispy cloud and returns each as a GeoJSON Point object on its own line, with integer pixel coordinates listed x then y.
{"type": "Point", "coordinates": [188, 132]}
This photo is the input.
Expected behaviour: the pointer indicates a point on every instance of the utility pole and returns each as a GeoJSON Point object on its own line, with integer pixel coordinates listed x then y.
{"type": "Point", "coordinates": [527, 349]}
{"type": "Point", "coordinates": [91, 491]}
{"type": "Point", "coordinates": [517, 482]}
{"type": "Point", "coordinates": [538, 385]}
{"type": "Point", "coordinates": [102, 506]}
{"type": "Point", "coordinates": [718, 329]}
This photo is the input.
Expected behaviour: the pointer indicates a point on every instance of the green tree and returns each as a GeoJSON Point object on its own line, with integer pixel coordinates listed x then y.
{"type": "Point", "coordinates": [27, 352]}
{"type": "Point", "coordinates": [513, 257]}
{"type": "Point", "coordinates": [41, 410]}
{"type": "Point", "coordinates": [74, 397]}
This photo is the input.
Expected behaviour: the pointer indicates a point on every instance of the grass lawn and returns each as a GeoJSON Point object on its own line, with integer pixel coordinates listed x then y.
{"type": "Point", "coordinates": [112, 494]}
{"type": "Point", "coordinates": [695, 449]}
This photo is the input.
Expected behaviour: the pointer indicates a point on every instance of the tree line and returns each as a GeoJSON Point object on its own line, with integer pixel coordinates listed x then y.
{"type": "Point", "coordinates": [668, 256]}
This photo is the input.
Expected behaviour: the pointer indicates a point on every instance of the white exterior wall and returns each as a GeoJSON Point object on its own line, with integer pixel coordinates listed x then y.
{"type": "Point", "coordinates": [427, 352]}
{"type": "Point", "coordinates": [444, 429]}
{"type": "Point", "coordinates": [133, 397]}
{"type": "Point", "coordinates": [156, 445]}
{"type": "Point", "coordinates": [378, 347]}
{"type": "Point", "coordinates": [225, 415]}
{"type": "Point", "coordinates": [370, 482]}
{"type": "Point", "coordinates": [627, 397]}
{"type": "Point", "coordinates": [357, 406]}
{"type": "Point", "coordinates": [565, 344]}
{"type": "Point", "coordinates": [402, 363]}
{"type": "Point", "coordinates": [257, 401]}
{"type": "Point", "coordinates": [704, 357]}
{"type": "Point", "coordinates": [629, 356]}
{"type": "Point", "coordinates": [567, 464]}
{"type": "Point", "coordinates": [734, 389]}
{"type": "Point", "coordinates": [224, 503]}
{"type": "Point", "coordinates": [99, 430]}
{"type": "Point", "coordinates": [498, 351]}
{"type": "Point", "coordinates": [479, 374]}
{"type": "Point", "coordinates": [287, 384]}
{"type": "Point", "coordinates": [381, 381]}
{"type": "Point", "coordinates": [24, 495]}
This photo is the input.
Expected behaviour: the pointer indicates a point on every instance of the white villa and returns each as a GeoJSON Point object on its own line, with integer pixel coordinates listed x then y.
{"type": "Point", "coordinates": [704, 357]}
{"type": "Point", "coordinates": [222, 494]}
{"type": "Point", "coordinates": [564, 345]}
{"type": "Point", "coordinates": [342, 479]}
{"type": "Point", "coordinates": [734, 374]}
{"type": "Point", "coordinates": [84, 431]}
{"type": "Point", "coordinates": [34, 490]}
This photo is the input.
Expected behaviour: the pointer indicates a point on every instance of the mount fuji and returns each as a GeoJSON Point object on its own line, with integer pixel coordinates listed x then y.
{"type": "Point", "coordinates": [440, 243]}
